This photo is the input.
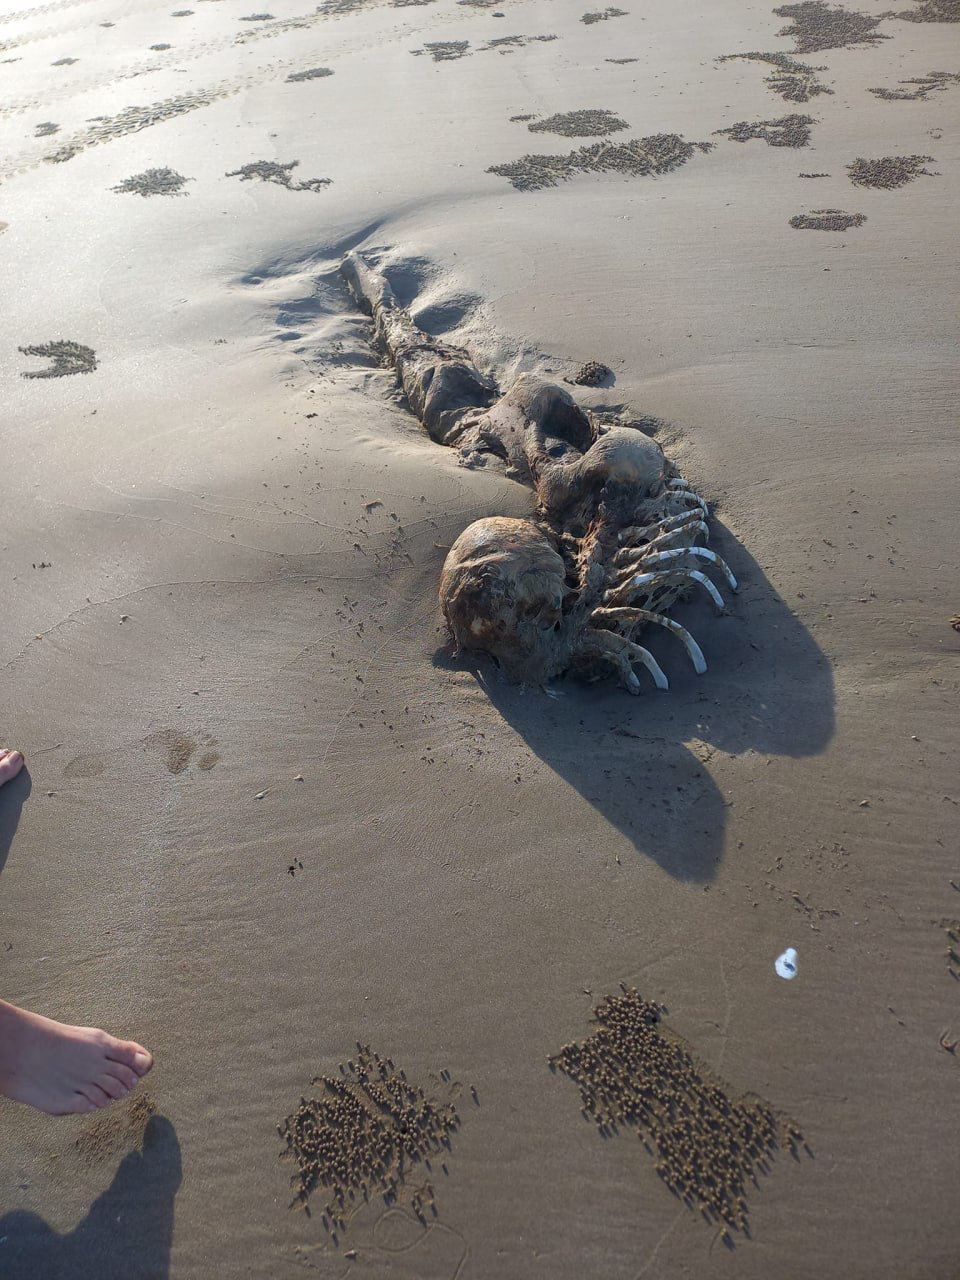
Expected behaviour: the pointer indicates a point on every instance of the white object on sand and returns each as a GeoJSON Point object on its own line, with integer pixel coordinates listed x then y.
{"type": "Point", "coordinates": [786, 965]}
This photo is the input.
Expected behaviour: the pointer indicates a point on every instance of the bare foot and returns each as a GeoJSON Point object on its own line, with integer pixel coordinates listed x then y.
{"type": "Point", "coordinates": [11, 762]}
{"type": "Point", "coordinates": [61, 1069]}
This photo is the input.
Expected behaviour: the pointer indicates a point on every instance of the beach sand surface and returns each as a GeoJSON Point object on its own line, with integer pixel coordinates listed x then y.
{"type": "Point", "coordinates": [268, 815]}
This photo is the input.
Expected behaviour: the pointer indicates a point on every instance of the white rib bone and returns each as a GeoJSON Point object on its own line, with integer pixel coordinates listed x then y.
{"type": "Point", "coordinates": [632, 553]}
{"type": "Point", "coordinates": [620, 651]}
{"type": "Point", "coordinates": [639, 654]}
{"type": "Point", "coordinates": [694, 499]}
{"type": "Point", "coordinates": [702, 553]}
{"type": "Point", "coordinates": [644, 579]}
{"type": "Point", "coordinates": [708, 586]}
{"type": "Point", "coordinates": [638, 531]}
{"type": "Point", "coordinates": [661, 620]}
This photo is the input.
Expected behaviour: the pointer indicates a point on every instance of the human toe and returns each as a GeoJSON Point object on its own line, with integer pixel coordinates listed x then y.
{"type": "Point", "coordinates": [130, 1054]}
{"type": "Point", "coordinates": [95, 1095]}
{"type": "Point", "coordinates": [11, 762]}
{"type": "Point", "coordinates": [111, 1086]}
{"type": "Point", "coordinates": [126, 1075]}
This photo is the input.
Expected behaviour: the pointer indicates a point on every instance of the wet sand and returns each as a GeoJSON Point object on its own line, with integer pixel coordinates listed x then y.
{"type": "Point", "coordinates": [268, 815]}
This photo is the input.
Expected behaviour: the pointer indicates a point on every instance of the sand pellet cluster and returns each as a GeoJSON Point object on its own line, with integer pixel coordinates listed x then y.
{"type": "Point", "coordinates": [68, 357]}
{"type": "Point", "coordinates": [280, 174]}
{"type": "Point", "coordinates": [708, 1146]}
{"type": "Point", "coordinates": [602, 15]}
{"type": "Point", "coordinates": [444, 50]}
{"type": "Point", "coordinates": [919, 88]}
{"type": "Point", "coordinates": [640, 157]}
{"type": "Point", "coordinates": [154, 182]}
{"type": "Point", "coordinates": [888, 172]}
{"type": "Point", "coordinates": [592, 374]}
{"type": "Point", "coordinates": [590, 123]}
{"type": "Point", "coordinates": [792, 80]}
{"type": "Point", "coordinates": [932, 11]}
{"type": "Point", "coordinates": [951, 928]}
{"type": "Point", "coordinates": [787, 131]}
{"type": "Point", "coordinates": [827, 220]}
{"type": "Point", "coordinates": [132, 120]}
{"type": "Point", "coordinates": [312, 73]}
{"type": "Point", "coordinates": [362, 1133]}
{"type": "Point", "coordinates": [817, 26]}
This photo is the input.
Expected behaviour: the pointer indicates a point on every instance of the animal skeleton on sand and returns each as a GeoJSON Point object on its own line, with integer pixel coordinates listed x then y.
{"type": "Point", "coordinates": [618, 534]}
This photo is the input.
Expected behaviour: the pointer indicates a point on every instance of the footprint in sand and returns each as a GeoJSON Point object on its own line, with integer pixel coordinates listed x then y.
{"type": "Point", "coordinates": [179, 750]}
{"type": "Point", "coordinates": [116, 1131]}
{"type": "Point", "coordinates": [67, 357]}
{"type": "Point", "coordinates": [88, 766]}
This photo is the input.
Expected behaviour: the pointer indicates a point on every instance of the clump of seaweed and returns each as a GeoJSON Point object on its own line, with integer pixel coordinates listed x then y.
{"type": "Point", "coordinates": [708, 1146]}
{"type": "Point", "coordinates": [888, 172]}
{"type": "Point", "coordinates": [827, 220]}
{"type": "Point", "coordinates": [639, 157]}
{"type": "Point", "coordinates": [362, 1133]}
{"type": "Point", "coordinates": [68, 357]}
{"type": "Point", "coordinates": [788, 131]}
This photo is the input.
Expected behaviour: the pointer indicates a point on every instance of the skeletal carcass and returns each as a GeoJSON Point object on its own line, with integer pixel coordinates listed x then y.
{"type": "Point", "coordinates": [618, 533]}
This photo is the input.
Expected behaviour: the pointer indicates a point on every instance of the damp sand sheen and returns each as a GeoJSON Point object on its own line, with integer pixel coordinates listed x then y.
{"type": "Point", "coordinates": [448, 976]}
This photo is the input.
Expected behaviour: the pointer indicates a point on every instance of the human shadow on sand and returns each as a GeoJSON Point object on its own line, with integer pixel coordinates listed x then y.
{"type": "Point", "coordinates": [642, 762]}
{"type": "Point", "coordinates": [125, 1236]}
{"type": "Point", "coordinates": [12, 796]}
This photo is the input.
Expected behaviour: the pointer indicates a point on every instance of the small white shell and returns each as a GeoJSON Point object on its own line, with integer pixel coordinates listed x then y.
{"type": "Point", "coordinates": [786, 964]}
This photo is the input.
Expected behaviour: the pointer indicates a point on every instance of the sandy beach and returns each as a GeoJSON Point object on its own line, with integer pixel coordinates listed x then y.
{"type": "Point", "coordinates": [274, 829]}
